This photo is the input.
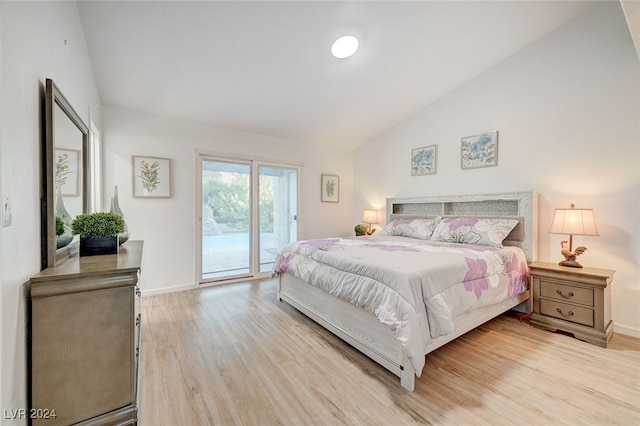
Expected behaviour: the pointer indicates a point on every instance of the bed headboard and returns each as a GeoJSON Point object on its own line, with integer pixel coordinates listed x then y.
{"type": "Point", "coordinates": [522, 206]}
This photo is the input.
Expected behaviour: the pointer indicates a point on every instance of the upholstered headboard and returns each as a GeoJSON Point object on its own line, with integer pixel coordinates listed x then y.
{"type": "Point", "coordinates": [522, 206]}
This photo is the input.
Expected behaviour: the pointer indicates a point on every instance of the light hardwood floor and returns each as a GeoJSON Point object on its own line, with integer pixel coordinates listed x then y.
{"type": "Point", "coordinates": [233, 355]}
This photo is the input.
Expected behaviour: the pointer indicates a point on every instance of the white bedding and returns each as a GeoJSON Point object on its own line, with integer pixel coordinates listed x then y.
{"type": "Point", "coordinates": [416, 287]}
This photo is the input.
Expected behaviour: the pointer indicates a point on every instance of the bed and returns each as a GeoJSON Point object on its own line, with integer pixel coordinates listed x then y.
{"type": "Point", "coordinates": [440, 267]}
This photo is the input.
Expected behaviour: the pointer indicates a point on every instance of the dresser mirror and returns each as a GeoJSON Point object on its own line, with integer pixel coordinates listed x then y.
{"type": "Point", "coordinates": [64, 175]}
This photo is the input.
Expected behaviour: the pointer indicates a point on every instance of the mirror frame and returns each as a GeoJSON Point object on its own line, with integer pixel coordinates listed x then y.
{"type": "Point", "coordinates": [53, 96]}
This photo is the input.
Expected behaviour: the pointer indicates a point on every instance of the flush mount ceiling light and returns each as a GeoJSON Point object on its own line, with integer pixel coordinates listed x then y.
{"type": "Point", "coordinates": [344, 47]}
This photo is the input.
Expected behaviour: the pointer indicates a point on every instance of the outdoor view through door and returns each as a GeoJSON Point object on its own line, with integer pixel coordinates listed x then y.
{"type": "Point", "coordinates": [249, 213]}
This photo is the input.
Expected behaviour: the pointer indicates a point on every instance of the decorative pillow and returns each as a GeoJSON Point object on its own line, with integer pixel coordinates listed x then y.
{"type": "Point", "coordinates": [390, 228]}
{"type": "Point", "coordinates": [413, 228]}
{"type": "Point", "coordinates": [471, 230]}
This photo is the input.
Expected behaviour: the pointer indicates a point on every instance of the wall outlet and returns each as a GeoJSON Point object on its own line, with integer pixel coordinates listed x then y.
{"type": "Point", "coordinates": [6, 212]}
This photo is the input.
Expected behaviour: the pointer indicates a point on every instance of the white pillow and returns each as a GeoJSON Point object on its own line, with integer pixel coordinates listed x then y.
{"type": "Point", "coordinates": [472, 230]}
{"type": "Point", "coordinates": [413, 228]}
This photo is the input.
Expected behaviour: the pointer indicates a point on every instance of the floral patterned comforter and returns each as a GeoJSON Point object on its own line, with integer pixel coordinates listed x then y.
{"type": "Point", "coordinates": [417, 287]}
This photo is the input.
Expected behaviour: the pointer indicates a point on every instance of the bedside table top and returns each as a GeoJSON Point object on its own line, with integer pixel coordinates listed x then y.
{"type": "Point", "coordinates": [591, 272]}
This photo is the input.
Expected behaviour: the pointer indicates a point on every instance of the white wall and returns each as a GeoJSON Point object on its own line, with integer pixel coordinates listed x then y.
{"type": "Point", "coordinates": [167, 226]}
{"type": "Point", "coordinates": [567, 109]}
{"type": "Point", "coordinates": [33, 48]}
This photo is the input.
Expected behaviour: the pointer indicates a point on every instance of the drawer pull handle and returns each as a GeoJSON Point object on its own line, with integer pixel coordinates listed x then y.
{"type": "Point", "coordinates": [567, 315]}
{"type": "Point", "coordinates": [568, 296]}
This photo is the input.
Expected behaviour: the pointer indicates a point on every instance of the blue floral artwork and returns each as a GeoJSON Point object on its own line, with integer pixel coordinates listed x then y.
{"type": "Point", "coordinates": [424, 160]}
{"type": "Point", "coordinates": [479, 150]}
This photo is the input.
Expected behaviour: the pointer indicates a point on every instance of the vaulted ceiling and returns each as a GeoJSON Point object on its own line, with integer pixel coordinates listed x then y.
{"type": "Point", "coordinates": [266, 66]}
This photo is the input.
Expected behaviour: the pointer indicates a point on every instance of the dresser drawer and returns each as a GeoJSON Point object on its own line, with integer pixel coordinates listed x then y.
{"type": "Point", "coordinates": [566, 293]}
{"type": "Point", "coordinates": [567, 312]}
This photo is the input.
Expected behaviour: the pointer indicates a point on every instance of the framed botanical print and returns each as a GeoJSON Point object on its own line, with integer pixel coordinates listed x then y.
{"type": "Point", "coordinates": [151, 177]}
{"type": "Point", "coordinates": [424, 161]}
{"type": "Point", "coordinates": [479, 151]}
{"type": "Point", "coordinates": [330, 188]}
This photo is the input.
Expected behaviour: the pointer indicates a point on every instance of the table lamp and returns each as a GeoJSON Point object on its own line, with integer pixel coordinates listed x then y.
{"type": "Point", "coordinates": [369, 217]}
{"type": "Point", "coordinates": [573, 221]}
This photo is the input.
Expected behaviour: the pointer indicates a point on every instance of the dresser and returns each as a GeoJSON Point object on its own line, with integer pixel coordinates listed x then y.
{"type": "Point", "coordinates": [574, 300]}
{"type": "Point", "coordinates": [84, 340]}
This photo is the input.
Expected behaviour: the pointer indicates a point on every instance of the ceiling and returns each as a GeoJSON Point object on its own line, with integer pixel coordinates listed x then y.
{"type": "Point", "coordinates": [266, 67]}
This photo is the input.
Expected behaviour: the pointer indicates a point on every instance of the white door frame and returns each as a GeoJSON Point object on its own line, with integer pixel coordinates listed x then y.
{"type": "Point", "coordinates": [254, 162]}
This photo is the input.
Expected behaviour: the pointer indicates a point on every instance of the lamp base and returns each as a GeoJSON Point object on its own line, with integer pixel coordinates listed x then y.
{"type": "Point", "coordinates": [570, 263]}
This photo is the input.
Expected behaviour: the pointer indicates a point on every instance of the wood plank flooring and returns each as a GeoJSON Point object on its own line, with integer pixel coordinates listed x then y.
{"type": "Point", "coordinates": [233, 355]}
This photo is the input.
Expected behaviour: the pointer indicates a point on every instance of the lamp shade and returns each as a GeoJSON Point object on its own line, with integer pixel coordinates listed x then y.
{"type": "Point", "coordinates": [573, 222]}
{"type": "Point", "coordinates": [370, 216]}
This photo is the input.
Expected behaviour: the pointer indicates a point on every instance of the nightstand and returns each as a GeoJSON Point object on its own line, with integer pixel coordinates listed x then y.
{"type": "Point", "coordinates": [574, 300]}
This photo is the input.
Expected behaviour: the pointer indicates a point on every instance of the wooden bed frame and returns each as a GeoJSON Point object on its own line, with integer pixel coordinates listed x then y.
{"type": "Point", "coordinates": [363, 331]}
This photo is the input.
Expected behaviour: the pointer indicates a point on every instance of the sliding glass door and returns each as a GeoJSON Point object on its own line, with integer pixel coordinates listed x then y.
{"type": "Point", "coordinates": [249, 212]}
{"type": "Point", "coordinates": [278, 211]}
{"type": "Point", "coordinates": [226, 219]}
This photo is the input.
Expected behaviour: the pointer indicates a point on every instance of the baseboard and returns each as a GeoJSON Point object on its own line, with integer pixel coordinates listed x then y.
{"type": "Point", "coordinates": [164, 290]}
{"type": "Point", "coordinates": [626, 329]}
{"type": "Point", "coordinates": [183, 287]}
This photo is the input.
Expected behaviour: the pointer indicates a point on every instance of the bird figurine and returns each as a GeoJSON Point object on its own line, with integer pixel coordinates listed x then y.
{"type": "Point", "coordinates": [570, 255]}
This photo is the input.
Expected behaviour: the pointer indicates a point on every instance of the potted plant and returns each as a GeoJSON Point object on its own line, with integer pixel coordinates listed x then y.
{"type": "Point", "coordinates": [98, 232]}
{"type": "Point", "coordinates": [360, 229]}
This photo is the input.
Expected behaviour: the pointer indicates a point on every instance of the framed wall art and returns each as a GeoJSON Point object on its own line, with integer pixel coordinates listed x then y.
{"type": "Point", "coordinates": [479, 150]}
{"type": "Point", "coordinates": [151, 177]}
{"type": "Point", "coordinates": [424, 160]}
{"type": "Point", "coordinates": [68, 171]}
{"type": "Point", "coordinates": [330, 188]}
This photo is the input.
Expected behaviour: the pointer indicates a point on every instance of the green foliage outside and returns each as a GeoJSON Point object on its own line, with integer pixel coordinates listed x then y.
{"type": "Point", "coordinates": [59, 226]}
{"type": "Point", "coordinates": [230, 203]}
{"type": "Point", "coordinates": [96, 225]}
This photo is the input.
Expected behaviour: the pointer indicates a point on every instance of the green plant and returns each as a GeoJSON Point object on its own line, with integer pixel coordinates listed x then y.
{"type": "Point", "coordinates": [360, 229]}
{"type": "Point", "coordinates": [229, 200]}
{"type": "Point", "coordinates": [59, 226]}
{"type": "Point", "coordinates": [96, 225]}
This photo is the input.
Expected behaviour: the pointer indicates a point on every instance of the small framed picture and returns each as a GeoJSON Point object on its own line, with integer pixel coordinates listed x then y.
{"type": "Point", "coordinates": [151, 177]}
{"type": "Point", "coordinates": [330, 188]}
{"type": "Point", "coordinates": [479, 151]}
{"type": "Point", "coordinates": [424, 161]}
{"type": "Point", "coordinates": [67, 176]}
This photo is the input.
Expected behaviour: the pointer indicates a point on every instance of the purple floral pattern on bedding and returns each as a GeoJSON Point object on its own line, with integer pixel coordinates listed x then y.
{"type": "Point", "coordinates": [454, 224]}
{"type": "Point", "coordinates": [412, 228]}
{"type": "Point", "coordinates": [391, 228]}
{"type": "Point", "coordinates": [323, 242]}
{"type": "Point", "coordinates": [516, 271]}
{"type": "Point", "coordinates": [475, 279]}
{"type": "Point", "coordinates": [394, 247]}
{"type": "Point", "coordinates": [282, 263]}
{"type": "Point", "coordinates": [472, 230]}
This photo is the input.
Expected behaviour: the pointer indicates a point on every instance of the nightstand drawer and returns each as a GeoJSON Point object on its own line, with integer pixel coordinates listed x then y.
{"type": "Point", "coordinates": [567, 312]}
{"type": "Point", "coordinates": [566, 293]}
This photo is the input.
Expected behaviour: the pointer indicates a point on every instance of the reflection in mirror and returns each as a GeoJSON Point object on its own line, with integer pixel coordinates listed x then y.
{"type": "Point", "coordinates": [64, 171]}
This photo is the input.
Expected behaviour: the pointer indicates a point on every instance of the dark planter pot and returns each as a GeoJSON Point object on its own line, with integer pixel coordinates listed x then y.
{"type": "Point", "coordinates": [96, 246]}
